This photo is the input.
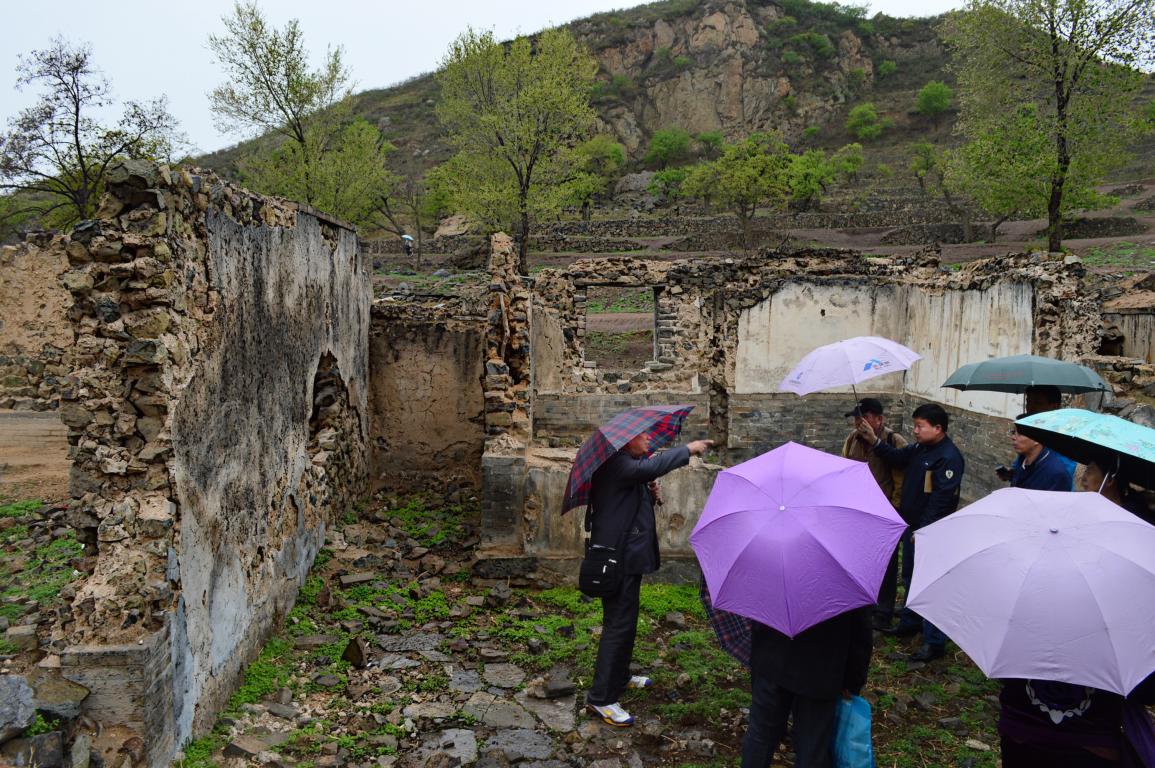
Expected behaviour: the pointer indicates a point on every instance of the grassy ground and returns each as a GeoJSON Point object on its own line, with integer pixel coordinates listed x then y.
{"type": "Point", "coordinates": [35, 565]}
{"type": "Point", "coordinates": [924, 715]}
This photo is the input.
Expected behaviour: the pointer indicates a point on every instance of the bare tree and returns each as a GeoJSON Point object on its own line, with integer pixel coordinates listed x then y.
{"type": "Point", "coordinates": [57, 152]}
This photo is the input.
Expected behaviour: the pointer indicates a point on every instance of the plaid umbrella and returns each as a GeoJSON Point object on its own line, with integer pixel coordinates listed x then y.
{"type": "Point", "coordinates": [733, 630]}
{"type": "Point", "coordinates": [661, 422]}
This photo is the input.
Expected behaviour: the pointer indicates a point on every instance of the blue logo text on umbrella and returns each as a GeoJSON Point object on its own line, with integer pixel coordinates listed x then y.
{"type": "Point", "coordinates": [848, 362]}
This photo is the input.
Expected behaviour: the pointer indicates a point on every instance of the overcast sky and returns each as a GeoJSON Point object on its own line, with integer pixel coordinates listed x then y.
{"type": "Point", "coordinates": [146, 48]}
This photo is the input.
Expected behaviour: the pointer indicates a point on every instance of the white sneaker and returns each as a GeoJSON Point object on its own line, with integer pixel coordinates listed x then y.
{"type": "Point", "coordinates": [613, 714]}
{"type": "Point", "coordinates": [639, 681]}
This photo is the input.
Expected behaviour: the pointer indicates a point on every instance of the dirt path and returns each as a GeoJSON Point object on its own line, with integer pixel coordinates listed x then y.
{"type": "Point", "coordinates": [33, 456]}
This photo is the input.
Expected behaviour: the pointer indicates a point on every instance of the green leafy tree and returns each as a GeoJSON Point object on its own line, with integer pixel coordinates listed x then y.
{"type": "Point", "coordinates": [929, 165]}
{"type": "Point", "coordinates": [1078, 62]}
{"type": "Point", "coordinates": [514, 113]}
{"type": "Point", "coordinates": [886, 68]}
{"type": "Point", "coordinates": [848, 161]}
{"type": "Point", "coordinates": [751, 174]}
{"type": "Point", "coordinates": [344, 180]}
{"type": "Point", "coordinates": [710, 144]}
{"type": "Point", "coordinates": [668, 146]}
{"type": "Point", "coordinates": [933, 99]}
{"type": "Point", "coordinates": [57, 152]}
{"type": "Point", "coordinates": [667, 183]}
{"type": "Point", "coordinates": [599, 161]}
{"type": "Point", "coordinates": [404, 205]}
{"type": "Point", "coordinates": [270, 88]}
{"type": "Point", "coordinates": [865, 122]}
{"type": "Point", "coordinates": [1005, 170]}
{"type": "Point", "coordinates": [811, 173]}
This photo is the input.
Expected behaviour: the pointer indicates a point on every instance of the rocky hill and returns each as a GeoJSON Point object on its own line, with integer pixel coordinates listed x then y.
{"type": "Point", "coordinates": [735, 66]}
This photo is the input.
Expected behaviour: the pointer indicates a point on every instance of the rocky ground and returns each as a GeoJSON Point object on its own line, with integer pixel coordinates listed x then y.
{"type": "Point", "coordinates": [402, 652]}
{"type": "Point", "coordinates": [399, 653]}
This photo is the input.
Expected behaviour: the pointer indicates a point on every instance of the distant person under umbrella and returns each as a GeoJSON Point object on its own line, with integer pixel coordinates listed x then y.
{"type": "Point", "coordinates": [1103, 476]}
{"type": "Point", "coordinates": [1038, 468]}
{"type": "Point", "coordinates": [1040, 399]}
{"type": "Point", "coordinates": [622, 496]}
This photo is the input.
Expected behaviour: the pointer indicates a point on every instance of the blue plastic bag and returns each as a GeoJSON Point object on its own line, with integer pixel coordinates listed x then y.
{"type": "Point", "coordinates": [852, 745]}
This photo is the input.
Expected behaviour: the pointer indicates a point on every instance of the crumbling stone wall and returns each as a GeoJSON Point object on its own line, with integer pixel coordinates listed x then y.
{"type": "Point", "coordinates": [427, 405]}
{"type": "Point", "coordinates": [730, 329]}
{"type": "Point", "coordinates": [36, 339]}
{"type": "Point", "coordinates": [218, 422]}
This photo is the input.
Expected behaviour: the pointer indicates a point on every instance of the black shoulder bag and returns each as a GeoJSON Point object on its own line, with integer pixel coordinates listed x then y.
{"type": "Point", "coordinates": [601, 568]}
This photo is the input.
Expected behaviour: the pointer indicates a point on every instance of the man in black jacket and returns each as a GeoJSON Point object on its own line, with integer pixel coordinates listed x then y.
{"type": "Point", "coordinates": [930, 491]}
{"type": "Point", "coordinates": [622, 496]}
{"type": "Point", "coordinates": [803, 676]}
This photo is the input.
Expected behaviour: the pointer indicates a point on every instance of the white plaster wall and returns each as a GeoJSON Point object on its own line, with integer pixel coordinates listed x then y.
{"type": "Point", "coordinates": [953, 328]}
{"type": "Point", "coordinates": [775, 335]}
{"type": "Point", "coordinates": [948, 329]}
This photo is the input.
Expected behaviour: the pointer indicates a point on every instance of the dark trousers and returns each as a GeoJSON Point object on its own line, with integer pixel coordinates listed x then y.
{"type": "Point", "coordinates": [931, 635]}
{"type": "Point", "coordinates": [888, 590]}
{"type": "Point", "coordinates": [813, 733]}
{"type": "Point", "coordinates": [616, 647]}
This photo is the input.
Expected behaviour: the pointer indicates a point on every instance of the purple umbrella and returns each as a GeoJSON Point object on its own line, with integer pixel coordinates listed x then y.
{"type": "Point", "coordinates": [851, 361]}
{"type": "Point", "coordinates": [794, 537]}
{"type": "Point", "coordinates": [1044, 585]}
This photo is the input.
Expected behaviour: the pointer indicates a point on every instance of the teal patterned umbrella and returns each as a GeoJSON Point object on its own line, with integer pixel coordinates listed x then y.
{"type": "Point", "coordinates": [1017, 372]}
{"type": "Point", "coordinates": [1085, 436]}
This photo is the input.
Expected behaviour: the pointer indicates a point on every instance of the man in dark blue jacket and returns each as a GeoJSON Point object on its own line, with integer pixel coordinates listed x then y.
{"type": "Point", "coordinates": [930, 491]}
{"type": "Point", "coordinates": [622, 497]}
{"type": "Point", "coordinates": [1039, 468]}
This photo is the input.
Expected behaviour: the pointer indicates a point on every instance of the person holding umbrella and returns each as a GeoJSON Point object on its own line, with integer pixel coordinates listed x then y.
{"type": "Point", "coordinates": [930, 491]}
{"type": "Point", "coordinates": [614, 473]}
{"type": "Point", "coordinates": [1038, 468]}
{"type": "Point", "coordinates": [889, 479]}
{"type": "Point", "coordinates": [1103, 475]}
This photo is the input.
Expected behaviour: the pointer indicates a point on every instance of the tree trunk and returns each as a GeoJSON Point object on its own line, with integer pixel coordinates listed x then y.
{"type": "Point", "coordinates": [523, 248]}
{"type": "Point", "coordinates": [1055, 213]}
{"type": "Point", "coordinates": [744, 218]}
{"type": "Point", "coordinates": [996, 225]}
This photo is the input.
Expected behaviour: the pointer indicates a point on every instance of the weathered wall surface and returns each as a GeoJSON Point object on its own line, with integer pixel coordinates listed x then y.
{"type": "Point", "coordinates": [427, 406]}
{"type": "Point", "coordinates": [1138, 331]}
{"type": "Point", "coordinates": [36, 339]}
{"type": "Point", "coordinates": [219, 420]}
{"type": "Point", "coordinates": [729, 330]}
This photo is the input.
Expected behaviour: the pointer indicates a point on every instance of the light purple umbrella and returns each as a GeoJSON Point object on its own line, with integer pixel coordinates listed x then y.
{"type": "Point", "coordinates": [794, 537]}
{"type": "Point", "coordinates": [848, 362]}
{"type": "Point", "coordinates": [1044, 585]}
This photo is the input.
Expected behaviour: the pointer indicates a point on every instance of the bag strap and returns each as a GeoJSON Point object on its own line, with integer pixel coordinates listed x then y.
{"type": "Point", "coordinates": [589, 525]}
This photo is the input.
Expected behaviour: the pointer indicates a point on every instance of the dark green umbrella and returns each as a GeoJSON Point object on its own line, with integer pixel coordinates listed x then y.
{"type": "Point", "coordinates": [1017, 372]}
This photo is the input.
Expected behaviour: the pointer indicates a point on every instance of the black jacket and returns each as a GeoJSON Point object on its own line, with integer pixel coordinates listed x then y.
{"type": "Point", "coordinates": [930, 487]}
{"type": "Point", "coordinates": [821, 662]}
{"type": "Point", "coordinates": [618, 491]}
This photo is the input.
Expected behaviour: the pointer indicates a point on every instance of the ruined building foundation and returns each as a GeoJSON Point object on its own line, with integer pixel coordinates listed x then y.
{"type": "Point", "coordinates": [229, 386]}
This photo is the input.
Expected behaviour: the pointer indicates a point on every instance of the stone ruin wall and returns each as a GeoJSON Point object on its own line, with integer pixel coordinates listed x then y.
{"type": "Point", "coordinates": [427, 406]}
{"type": "Point", "coordinates": [218, 419]}
{"type": "Point", "coordinates": [729, 329]}
{"type": "Point", "coordinates": [36, 341]}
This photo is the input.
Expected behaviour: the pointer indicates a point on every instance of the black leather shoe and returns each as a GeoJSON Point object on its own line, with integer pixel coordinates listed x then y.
{"type": "Point", "coordinates": [903, 630]}
{"type": "Point", "coordinates": [928, 653]}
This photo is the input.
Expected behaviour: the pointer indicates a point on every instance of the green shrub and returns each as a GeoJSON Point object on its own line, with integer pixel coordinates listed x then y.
{"type": "Point", "coordinates": [865, 122]}
{"type": "Point", "coordinates": [791, 58]}
{"type": "Point", "coordinates": [816, 42]}
{"type": "Point", "coordinates": [887, 68]}
{"type": "Point", "coordinates": [811, 131]}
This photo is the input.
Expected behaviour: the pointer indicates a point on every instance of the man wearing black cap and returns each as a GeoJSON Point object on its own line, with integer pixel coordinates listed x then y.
{"type": "Point", "coordinates": [869, 412]}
